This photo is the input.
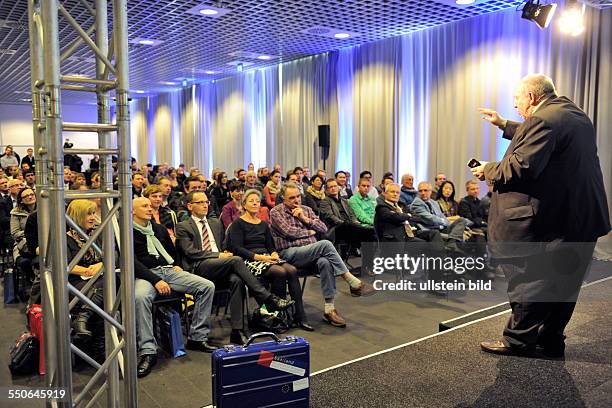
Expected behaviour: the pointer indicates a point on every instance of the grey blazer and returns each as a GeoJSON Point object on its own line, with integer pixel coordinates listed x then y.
{"type": "Point", "coordinates": [189, 242]}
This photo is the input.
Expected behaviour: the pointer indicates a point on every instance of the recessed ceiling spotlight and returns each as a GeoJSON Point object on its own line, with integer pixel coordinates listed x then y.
{"type": "Point", "coordinates": [330, 32]}
{"type": "Point", "coordinates": [168, 83]}
{"type": "Point", "coordinates": [138, 91]}
{"type": "Point", "coordinates": [204, 10]}
{"type": "Point", "coordinates": [208, 11]}
{"type": "Point", "coordinates": [209, 72]}
{"type": "Point", "coordinates": [145, 41]}
{"type": "Point", "coordinates": [464, 2]}
{"type": "Point", "coordinates": [264, 57]}
{"type": "Point", "coordinates": [342, 35]}
{"type": "Point", "coordinates": [26, 99]}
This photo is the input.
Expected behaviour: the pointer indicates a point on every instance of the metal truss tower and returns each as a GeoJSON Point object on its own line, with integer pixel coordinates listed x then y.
{"type": "Point", "coordinates": [116, 377]}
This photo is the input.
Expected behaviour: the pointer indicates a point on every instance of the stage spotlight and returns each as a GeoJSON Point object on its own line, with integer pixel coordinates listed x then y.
{"type": "Point", "coordinates": [571, 20]}
{"type": "Point", "coordinates": [539, 14]}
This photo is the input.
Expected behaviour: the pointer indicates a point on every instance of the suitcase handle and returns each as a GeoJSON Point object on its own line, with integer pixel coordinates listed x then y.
{"type": "Point", "coordinates": [262, 334]}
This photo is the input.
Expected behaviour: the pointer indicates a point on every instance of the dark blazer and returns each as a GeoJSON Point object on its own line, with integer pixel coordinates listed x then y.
{"type": "Point", "coordinates": [30, 161]}
{"type": "Point", "coordinates": [329, 212]}
{"type": "Point", "coordinates": [549, 183]}
{"type": "Point", "coordinates": [189, 242]}
{"type": "Point", "coordinates": [389, 224]}
{"type": "Point", "coordinates": [471, 208]}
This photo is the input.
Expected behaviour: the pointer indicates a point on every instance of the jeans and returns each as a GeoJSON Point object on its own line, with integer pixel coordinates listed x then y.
{"type": "Point", "coordinates": [327, 259]}
{"type": "Point", "coordinates": [201, 289]}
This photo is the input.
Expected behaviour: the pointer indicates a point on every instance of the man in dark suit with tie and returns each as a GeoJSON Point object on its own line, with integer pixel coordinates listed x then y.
{"type": "Point", "coordinates": [200, 242]}
{"type": "Point", "coordinates": [548, 189]}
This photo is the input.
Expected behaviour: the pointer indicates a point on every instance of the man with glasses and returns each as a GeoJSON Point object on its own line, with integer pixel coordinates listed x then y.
{"type": "Point", "coordinates": [294, 227]}
{"type": "Point", "coordinates": [199, 240]}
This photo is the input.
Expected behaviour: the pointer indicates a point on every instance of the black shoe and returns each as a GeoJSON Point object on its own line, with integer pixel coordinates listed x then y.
{"type": "Point", "coordinates": [79, 327]}
{"type": "Point", "coordinates": [145, 364]}
{"type": "Point", "coordinates": [238, 337]}
{"type": "Point", "coordinates": [304, 326]}
{"type": "Point", "coordinates": [203, 346]}
{"type": "Point", "coordinates": [274, 303]}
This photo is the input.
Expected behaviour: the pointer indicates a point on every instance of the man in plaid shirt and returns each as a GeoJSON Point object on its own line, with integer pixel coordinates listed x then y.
{"type": "Point", "coordinates": [294, 227]}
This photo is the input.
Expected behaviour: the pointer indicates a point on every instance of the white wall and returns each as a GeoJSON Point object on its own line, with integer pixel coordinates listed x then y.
{"type": "Point", "coordinates": [16, 127]}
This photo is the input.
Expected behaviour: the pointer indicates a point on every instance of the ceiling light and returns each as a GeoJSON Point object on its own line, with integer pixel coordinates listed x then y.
{"type": "Point", "coordinates": [146, 42]}
{"type": "Point", "coordinates": [539, 14]}
{"type": "Point", "coordinates": [26, 99]}
{"type": "Point", "coordinates": [571, 20]}
{"type": "Point", "coordinates": [168, 83]}
{"type": "Point", "coordinates": [342, 35]}
{"type": "Point", "coordinates": [209, 72]}
{"type": "Point", "coordinates": [138, 91]}
{"type": "Point", "coordinates": [264, 57]}
{"type": "Point", "coordinates": [209, 12]}
{"type": "Point", "coordinates": [464, 2]}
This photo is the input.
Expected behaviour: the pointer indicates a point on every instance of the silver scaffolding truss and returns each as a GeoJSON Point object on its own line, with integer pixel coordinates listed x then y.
{"type": "Point", "coordinates": [116, 377]}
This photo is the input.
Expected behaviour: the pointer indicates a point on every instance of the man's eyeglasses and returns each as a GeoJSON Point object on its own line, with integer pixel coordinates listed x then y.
{"type": "Point", "coordinates": [424, 190]}
{"type": "Point", "coordinates": [201, 202]}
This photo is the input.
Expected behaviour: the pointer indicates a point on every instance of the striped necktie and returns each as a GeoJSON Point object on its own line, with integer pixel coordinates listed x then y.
{"type": "Point", "coordinates": [205, 238]}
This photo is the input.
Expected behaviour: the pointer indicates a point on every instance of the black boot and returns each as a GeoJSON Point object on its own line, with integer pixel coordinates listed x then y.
{"type": "Point", "coordinates": [80, 324]}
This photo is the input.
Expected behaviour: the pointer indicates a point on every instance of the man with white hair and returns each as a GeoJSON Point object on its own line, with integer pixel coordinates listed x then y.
{"type": "Point", "coordinates": [540, 186]}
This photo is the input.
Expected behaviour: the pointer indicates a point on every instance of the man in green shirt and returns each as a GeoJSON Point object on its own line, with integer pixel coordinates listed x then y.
{"type": "Point", "coordinates": [362, 204]}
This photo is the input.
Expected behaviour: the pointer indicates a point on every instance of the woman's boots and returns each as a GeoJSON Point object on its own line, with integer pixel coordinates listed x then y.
{"type": "Point", "coordinates": [80, 324]}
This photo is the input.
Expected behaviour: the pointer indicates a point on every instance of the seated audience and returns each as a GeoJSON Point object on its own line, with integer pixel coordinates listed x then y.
{"type": "Point", "coordinates": [272, 188]}
{"type": "Point", "coordinates": [300, 183]}
{"type": "Point", "coordinates": [471, 207]}
{"type": "Point", "coordinates": [431, 217]}
{"type": "Point", "coordinates": [446, 199]}
{"type": "Point", "coordinates": [345, 187]}
{"type": "Point", "coordinates": [291, 178]}
{"type": "Point", "coordinates": [294, 227]}
{"type": "Point", "coordinates": [199, 240]}
{"type": "Point", "coordinates": [337, 214]}
{"type": "Point", "coordinates": [408, 192]}
{"type": "Point", "coordinates": [314, 193]}
{"type": "Point", "coordinates": [387, 179]}
{"type": "Point", "coordinates": [233, 210]}
{"type": "Point", "coordinates": [251, 239]}
{"type": "Point", "coordinates": [26, 204]}
{"type": "Point", "coordinates": [362, 204]}
{"type": "Point", "coordinates": [157, 271]}
{"type": "Point", "coordinates": [263, 175]}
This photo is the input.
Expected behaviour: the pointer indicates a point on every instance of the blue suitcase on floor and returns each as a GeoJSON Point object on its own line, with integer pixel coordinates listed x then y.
{"type": "Point", "coordinates": [271, 373]}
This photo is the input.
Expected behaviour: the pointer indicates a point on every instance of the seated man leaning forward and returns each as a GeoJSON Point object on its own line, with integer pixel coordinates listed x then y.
{"type": "Point", "coordinates": [294, 227]}
{"type": "Point", "coordinates": [157, 272]}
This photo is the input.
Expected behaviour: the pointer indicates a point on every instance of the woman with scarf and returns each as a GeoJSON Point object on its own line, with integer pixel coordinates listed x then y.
{"type": "Point", "coordinates": [314, 193]}
{"type": "Point", "coordinates": [83, 213]}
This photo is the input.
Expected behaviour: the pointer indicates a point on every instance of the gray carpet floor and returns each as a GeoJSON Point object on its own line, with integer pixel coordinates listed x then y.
{"type": "Point", "coordinates": [374, 324]}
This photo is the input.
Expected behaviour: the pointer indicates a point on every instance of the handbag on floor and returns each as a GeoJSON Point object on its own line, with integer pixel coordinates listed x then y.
{"type": "Point", "coordinates": [23, 355]}
{"type": "Point", "coordinates": [168, 331]}
{"type": "Point", "coordinates": [35, 322]}
{"type": "Point", "coordinates": [9, 287]}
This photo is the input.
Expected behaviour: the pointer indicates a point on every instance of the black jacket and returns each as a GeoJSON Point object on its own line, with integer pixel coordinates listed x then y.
{"type": "Point", "coordinates": [189, 242]}
{"type": "Point", "coordinates": [470, 208]}
{"type": "Point", "coordinates": [389, 224]}
{"type": "Point", "coordinates": [143, 261]}
{"type": "Point", "coordinates": [331, 214]}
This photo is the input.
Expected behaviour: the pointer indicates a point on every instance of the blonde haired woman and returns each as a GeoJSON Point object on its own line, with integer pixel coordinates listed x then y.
{"type": "Point", "coordinates": [83, 213]}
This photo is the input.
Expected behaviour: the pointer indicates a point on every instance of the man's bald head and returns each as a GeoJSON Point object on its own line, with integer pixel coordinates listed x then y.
{"type": "Point", "coordinates": [142, 210]}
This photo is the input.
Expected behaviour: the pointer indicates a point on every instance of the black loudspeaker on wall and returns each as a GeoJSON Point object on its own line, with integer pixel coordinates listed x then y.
{"type": "Point", "coordinates": [323, 135]}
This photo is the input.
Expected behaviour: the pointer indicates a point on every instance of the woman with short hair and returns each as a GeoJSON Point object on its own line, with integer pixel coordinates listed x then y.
{"type": "Point", "coordinates": [251, 238]}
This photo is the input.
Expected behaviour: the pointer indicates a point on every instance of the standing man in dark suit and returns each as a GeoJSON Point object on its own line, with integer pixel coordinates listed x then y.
{"type": "Point", "coordinates": [199, 240]}
{"type": "Point", "coordinates": [548, 188]}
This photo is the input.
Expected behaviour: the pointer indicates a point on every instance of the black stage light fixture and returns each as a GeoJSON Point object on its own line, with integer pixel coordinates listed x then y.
{"type": "Point", "coordinates": [541, 14]}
